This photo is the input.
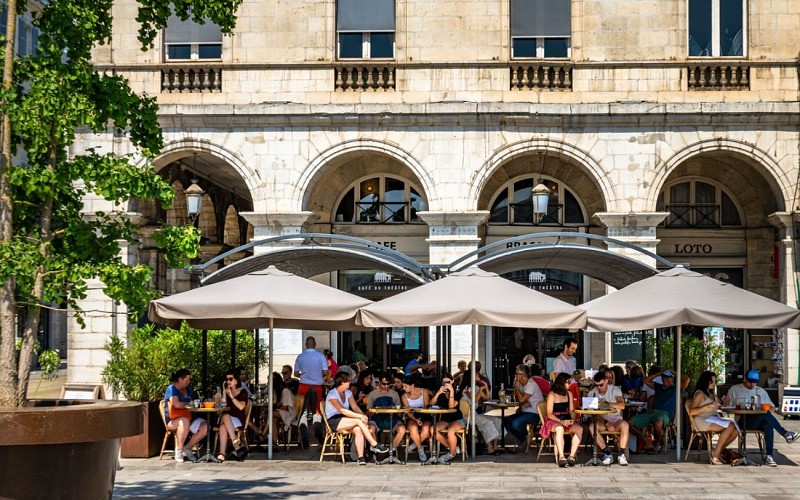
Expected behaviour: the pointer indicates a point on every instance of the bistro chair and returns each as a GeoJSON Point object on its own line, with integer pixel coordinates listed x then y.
{"type": "Point", "coordinates": [541, 408]}
{"type": "Point", "coordinates": [461, 436]}
{"type": "Point", "coordinates": [167, 433]}
{"type": "Point", "coordinates": [241, 432]}
{"type": "Point", "coordinates": [286, 430]}
{"type": "Point", "coordinates": [334, 439]}
{"type": "Point", "coordinates": [759, 437]}
{"type": "Point", "coordinates": [706, 436]}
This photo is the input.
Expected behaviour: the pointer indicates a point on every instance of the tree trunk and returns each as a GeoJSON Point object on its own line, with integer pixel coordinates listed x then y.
{"type": "Point", "coordinates": [9, 381]}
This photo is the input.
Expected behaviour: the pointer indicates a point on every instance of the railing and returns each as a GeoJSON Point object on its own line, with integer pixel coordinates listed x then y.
{"type": "Point", "coordinates": [365, 78]}
{"type": "Point", "coordinates": [718, 77]}
{"type": "Point", "coordinates": [541, 76]}
{"type": "Point", "coordinates": [700, 215]}
{"type": "Point", "coordinates": [191, 79]}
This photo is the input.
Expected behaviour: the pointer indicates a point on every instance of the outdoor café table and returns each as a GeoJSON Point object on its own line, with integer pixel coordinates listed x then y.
{"type": "Point", "coordinates": [744, 413]}
{"type": "Point", "coordinates": [391, 411]}
{"type": "Point", "coordinates": [209, 412]}
{"type": "Point", "coordinates": [503, 407]}
{"type": "Point", "coordinates": [435, 412]}
{"type": "Point", "coordinates": [594, 413]}
{"type": "Point", "coordinates": [633, 405]}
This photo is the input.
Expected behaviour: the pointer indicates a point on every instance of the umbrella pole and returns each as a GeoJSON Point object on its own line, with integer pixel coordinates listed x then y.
{"type": "Point", "coordinates": [204, 362]}
{"type": "Point", "coordinates": [270, 393]}
{"type": "Point", "coordinates": [472, 382]}
{"type": "Point", "coordinates": [678, 393]}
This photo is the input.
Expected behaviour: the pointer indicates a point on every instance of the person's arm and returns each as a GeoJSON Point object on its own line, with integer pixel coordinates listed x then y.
{"type": "Point", "coordinates": [619, 402]}
{"type": "Point", "coordinates": [231, 397]}
{"type": "Point", "coordinates": [297, 371]}
{"type": "Point", "coordinates": [684, 381]}
{"type": "Point", "coordinates": [697, 404]}
{"type": "Point", "coordinates": [551, 399]}
{"type": "Point", "coordinates": [344, 411]}
{"type": "Point", "coordinates": [177, 403]}
{"type": "Point", "coordinates": [522, 395]}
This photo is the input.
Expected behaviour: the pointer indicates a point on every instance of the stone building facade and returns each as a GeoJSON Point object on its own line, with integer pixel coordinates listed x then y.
{"type": "Point", "coordinates": [670, 124]}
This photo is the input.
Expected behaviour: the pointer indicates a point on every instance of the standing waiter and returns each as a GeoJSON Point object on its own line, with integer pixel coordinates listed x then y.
{"type": "Point", "coordinates": [312, 368]}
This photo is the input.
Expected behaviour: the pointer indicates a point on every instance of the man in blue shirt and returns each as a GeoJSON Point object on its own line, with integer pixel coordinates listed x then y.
{"type": "Point", "coordinates": [663, 410]}
{"type": "Point", "coordinates": [413, 365]}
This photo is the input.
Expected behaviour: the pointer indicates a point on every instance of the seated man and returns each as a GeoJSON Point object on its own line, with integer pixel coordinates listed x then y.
{"type": "Point", "coordinates": [766, 423]}
{"type": "Point", "coordinates": [384, 397]}
{"type": "Point", "coordinates": [611, 394]}
{"type": "Point", "coordinates": [663, 408]}
{"type": "Point", "coordinates": [527, 392]}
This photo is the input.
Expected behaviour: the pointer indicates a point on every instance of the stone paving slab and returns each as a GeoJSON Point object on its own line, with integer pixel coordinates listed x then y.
{"type": "Point", "coordinates": [299, 474]}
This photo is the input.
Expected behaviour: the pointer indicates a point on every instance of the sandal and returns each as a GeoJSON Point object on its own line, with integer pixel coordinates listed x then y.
{"type": "Point", "coordinates": [716, 461]}
{"type": "Point", "coordinates": [562, 462]}
{"type": "Point", "coordinates": [571, 461]}
{"type": "Point", "coordinates": [221, 458]}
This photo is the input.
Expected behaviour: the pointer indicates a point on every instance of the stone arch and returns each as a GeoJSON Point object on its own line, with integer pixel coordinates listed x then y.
{"type": "Point", "coordinates": [764, 171]}
{"type": "Point", "coordinates": [485, 182]}
{"type": "Point", "coordinates": [340, 153]}
{"type": "Point", "coordinates": [177, 212]}
{"type": "Point", "coordinates": [232, 233]}
{"type": "Point", "coordinates": [207, 220]}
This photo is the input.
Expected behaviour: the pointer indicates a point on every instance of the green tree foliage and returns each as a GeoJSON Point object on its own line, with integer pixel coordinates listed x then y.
{"type": "Point", "coordinates": [697, 356]}
{"type": "Point", "coordinates": [140, 367]}
{"type": "Point", "coordinates": [49, 245]}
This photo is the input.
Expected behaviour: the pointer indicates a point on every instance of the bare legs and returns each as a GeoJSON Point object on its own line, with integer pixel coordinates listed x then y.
{"type": "Point", "coordinates": [181, 428]}
{"type": "Point", "coordinates": [727, 435]}
{"type": "Point", "coordinates": [226, 430]}
{"type": "Point", "coordinates": [450, 440]}
{"type": "Point", "coordinates": [418, 436]}
{"type": "Point", "coordinates": [360, 432]}
{"type": "Point", "coordinates": [558, 439]}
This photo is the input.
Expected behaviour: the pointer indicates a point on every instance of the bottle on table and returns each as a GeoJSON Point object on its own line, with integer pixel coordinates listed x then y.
{"type": "Point", "coordinates": [218, 397]}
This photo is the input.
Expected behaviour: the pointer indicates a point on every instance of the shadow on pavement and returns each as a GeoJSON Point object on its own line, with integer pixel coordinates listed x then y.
{"type": "Point", "coordinates": [221, 487]}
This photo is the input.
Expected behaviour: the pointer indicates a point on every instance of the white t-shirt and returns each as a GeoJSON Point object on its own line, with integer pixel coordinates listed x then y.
{"type": "Point", "coordinates": [740, 391]}
{"type": "Point", "coordinates": [610, 396]}
{"type": "Point", "coordinates": [330, 410]}
{"type": "Point", "coordinates": [563, 364]}
{"type": "Point", "coordinates": [532, 388]}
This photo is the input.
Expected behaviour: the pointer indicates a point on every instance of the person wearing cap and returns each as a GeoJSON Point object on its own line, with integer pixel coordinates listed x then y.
{"type": "Point", "coordinates": [662, 411]}
{"type": "Point", "coordinates": [766, 423]}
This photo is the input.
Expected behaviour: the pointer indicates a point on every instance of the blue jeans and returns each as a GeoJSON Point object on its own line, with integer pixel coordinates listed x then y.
{"type": "Point", "coordinates": [517, 424]}
{"type": "Point", "coordinates": [766, 423]}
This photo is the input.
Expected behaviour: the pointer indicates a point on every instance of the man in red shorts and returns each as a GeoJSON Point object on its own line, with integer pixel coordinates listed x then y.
{"type": "Point", "coordinates": [312, 367]}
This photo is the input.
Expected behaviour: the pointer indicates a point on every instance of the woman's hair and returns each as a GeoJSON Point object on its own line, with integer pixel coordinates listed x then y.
{"type": "Point", "coordinates": [704, 381]}
{"type": "Point", "coordinates": [637, 372]}
{"type": "Point", "coordinates": [362, 376]}
{"type": "Point", "coordinates": [179, 374]}
{"type": "Point", "coordinates": [447, 375]}
{"type": "Point", "coordinates": [613, 375]}
{"type": "Point", "coordinates": [232, 373]}
{"type": "Point", "coordinates": [340, 378]}
{"type": "Point", "coordinates": [412, 380]}
{"type": "Point", "coordinates": [560, 384]}
{"type": "Point", "coordinates": [619, 374]}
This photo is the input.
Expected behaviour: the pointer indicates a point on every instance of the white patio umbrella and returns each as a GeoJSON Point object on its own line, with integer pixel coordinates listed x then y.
{"type": "Point", "coordinates": [475, 297]}
{"type": "Point", "coordinates": [678, 297]}
{"type": "Point", "coordinates": [262, 299]}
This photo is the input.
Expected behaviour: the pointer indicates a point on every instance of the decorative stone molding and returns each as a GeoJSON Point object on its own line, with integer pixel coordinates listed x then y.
{"type": "Point", "coordinates": [539, 76]}
{"type": "Point", "coordinates": [638, 228]}
{"type": "Point", "coordinates": [267, 225]}
{"type": "Point", "coordinates": [191, 79]}
{"type": "Point", "coordinates": [452, 234]}
{"type": "Point", "coordinates": [715, 76]}
{"type": "Point", "coordinates": [365, 78]}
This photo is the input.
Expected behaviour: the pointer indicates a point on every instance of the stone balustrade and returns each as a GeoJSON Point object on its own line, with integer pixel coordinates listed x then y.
{"type": "Point", "coordinates": [365, 78]}
{"type": "Point", "coordinates": [718, 77]}
{"type": "Point", "coordinates": [539, 76]}
{"type": "Point", "coordinates": [191, 79]}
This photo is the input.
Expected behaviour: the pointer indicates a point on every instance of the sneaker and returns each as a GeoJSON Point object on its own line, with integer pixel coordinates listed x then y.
{"type": "Point", "coordinates": [608, 459]}
{"type": "Point", "coordinates": [422, 456]}
{"type": "Point", "coordinates": [179, 455]}
{"type": "Point", "coordinates": [622, 459]}
{"type": "Point", "coordinates": [791, 437]}
{"type": "Point", "coordinates": [412, 447]}
{"type": "Point", "coordinates": [445, 459]}
{"type": "Point", "coordinates": [190, 456]}
{"type": "Point", "coordinates": [379, 448]}
{"type": "Point", "coordinates": [362, 461]}
{"type": "Point", "coordinates": [316, 419]}
{"type": "Point", "coordinates": [768, 460]}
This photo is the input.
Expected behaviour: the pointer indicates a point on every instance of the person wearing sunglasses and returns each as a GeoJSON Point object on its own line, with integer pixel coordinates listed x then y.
{"type": "Point", "coordinates": [236, 399]}
{"type": "Point", "coordinates": [384, 396]}
{"type": "Point", "coordinates": [611, 394]}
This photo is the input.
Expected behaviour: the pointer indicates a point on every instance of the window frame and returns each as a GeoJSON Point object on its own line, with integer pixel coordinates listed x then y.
{"type": "Point", "coordinates": [366, 46]}
{"type": "Point", "coordinates": [540, 48]}
{"type": "Point", "coordinates": [194, 51]}
{"type": "Point", "coordinates": [356, 186]}
{"type": "Point", "coordinates": [508, 187]}
{"type": "Point", "coordinates": [664, 200]}
{"type": "Point", "coordinates": [715, 32]}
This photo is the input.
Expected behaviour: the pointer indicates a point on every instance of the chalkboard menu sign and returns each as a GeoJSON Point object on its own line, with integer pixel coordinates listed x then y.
{"type": "Point", "coordinates": [625, 346]}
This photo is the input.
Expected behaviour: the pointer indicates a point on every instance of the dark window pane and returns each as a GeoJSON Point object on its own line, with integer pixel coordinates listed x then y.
{"type": "Point", "coordinates": [700, 27]}
{"type": "Point", "coordinates": [381, 45]}
{"type": "Point", "coordinates": [704, 193]}
{"type": "Point", "coordinates": [730, 215]}
{"type": "Point", "coordinates": [394, 197]}
{"type": "Point", "coordinates": [368, 202]}
{"type": "Point", "coordinates": [351, 45]}
{"type": "Point", "coordinates": [499, 212]}
{"type": "Point", "coordinates": [524, 47]}
{"type": "Point", "coordinates": [213, 51]}
{"type": "Point", "coordinates": [556, 47]}
{"type": "Point", "coordinates": [731, 33]}
{"type": "Point", "coordinates": [679, 193]}
{"type": "Point", "coordinates": [346, 208]}
{"type": "Point", "coordinates": [572, 209]}
{"type": "Point", "coordinates": [418, 204]}
{"type": "Point", "coordinates": [660, 202]}
{"type": "Point", "coordinates": [179, 52]}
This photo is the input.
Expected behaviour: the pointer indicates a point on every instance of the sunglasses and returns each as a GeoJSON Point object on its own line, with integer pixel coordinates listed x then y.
{"type": "Point", "coordinates": [384, 382]}
{"type": "Point", "coordinates": [230, 379]}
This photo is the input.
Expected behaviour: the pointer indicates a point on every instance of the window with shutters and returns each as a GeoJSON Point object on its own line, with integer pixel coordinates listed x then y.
{"type": "Point", "coordinates": [541, 29]}
{"type": "Point", "coordinates": [189, 40]}
{"type": "Point", "coordinates": [365, 29]}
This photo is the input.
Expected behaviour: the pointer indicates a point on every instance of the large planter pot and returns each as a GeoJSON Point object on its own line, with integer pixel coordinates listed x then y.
{"type": "Point", "coordinates": [148, 443]}
{"type": "Point", "coordinates": [62, 448]}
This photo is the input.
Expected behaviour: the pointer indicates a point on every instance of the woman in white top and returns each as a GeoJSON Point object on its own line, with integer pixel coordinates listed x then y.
{"type": "Point", "coordinates": [343, 414]}
{"type": "Point", "coordinates": [703, 412]}
{"type": "Point", "coordinates": [418, 428]}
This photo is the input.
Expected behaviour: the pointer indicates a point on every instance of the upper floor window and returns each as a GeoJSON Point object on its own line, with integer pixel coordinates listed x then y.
{"type": "Point", "coordinates": [381, 199]}
{"type": "Point", "coordinates": [697, 203]}
{"type": "Point", "coordinates": [27, 42]}
{"type": "Point", "coordinates": [188, 40]}
{"type": "Point", "coordinates": [541, 28]}
{"type": "Point", "coordinates": [513, 204]}
{"type": "Point", "coordinates": [717, 28]}
{"type": "Point", "coordinates": [365, 29]}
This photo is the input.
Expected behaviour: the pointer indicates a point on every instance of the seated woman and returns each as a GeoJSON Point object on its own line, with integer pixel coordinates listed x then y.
{"type": "Point", "coordinates": [236, 399]}
{"type": "Point", "coordinates": [703, 411]}
{"type": "Point", "coordinates": [445, 397]}
{"type": "Point", "coordinates": [633, 382]}
{"type": "Point", "coordinates": [418, 427]}
{"type": "Point", "coordinates": [361, 389]}
{"type": "Point", "coordinates": [488, 426]}
{"type": "Point", "coordinates": [179, 419]}
{"type": "Point", "coordinates": [343, 414]}
{"type": "Point", "coordinates": [560, 419]}
{"type": "Point", "coordinates": [283, 413]}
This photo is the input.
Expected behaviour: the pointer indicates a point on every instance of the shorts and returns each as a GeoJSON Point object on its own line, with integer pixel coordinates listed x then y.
{"type": "Point", "coordinates": [304, 388]}
{"type": "Point", "coordinates": [194, 425]}
{"type": "Point", "coordinates": [334, 422]}
{"type": "Point", "coordinates": [383, 425]}
{"type": "Point", "coordinates": [642, 420]}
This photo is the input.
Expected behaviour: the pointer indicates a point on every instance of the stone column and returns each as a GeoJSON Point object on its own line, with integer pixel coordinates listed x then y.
{"type": "Point", "coordinates": [268, 225]}
{"type": "Point", "coordinates": [787, 222]}
{"type": "Point", "coordinates": [453, 235]}
{"type": "Point", "coordinates": [634, 228]}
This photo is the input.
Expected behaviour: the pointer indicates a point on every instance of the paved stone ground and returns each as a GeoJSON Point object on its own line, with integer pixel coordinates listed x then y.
{"type": "Point", "coordinates": [299, 474]}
